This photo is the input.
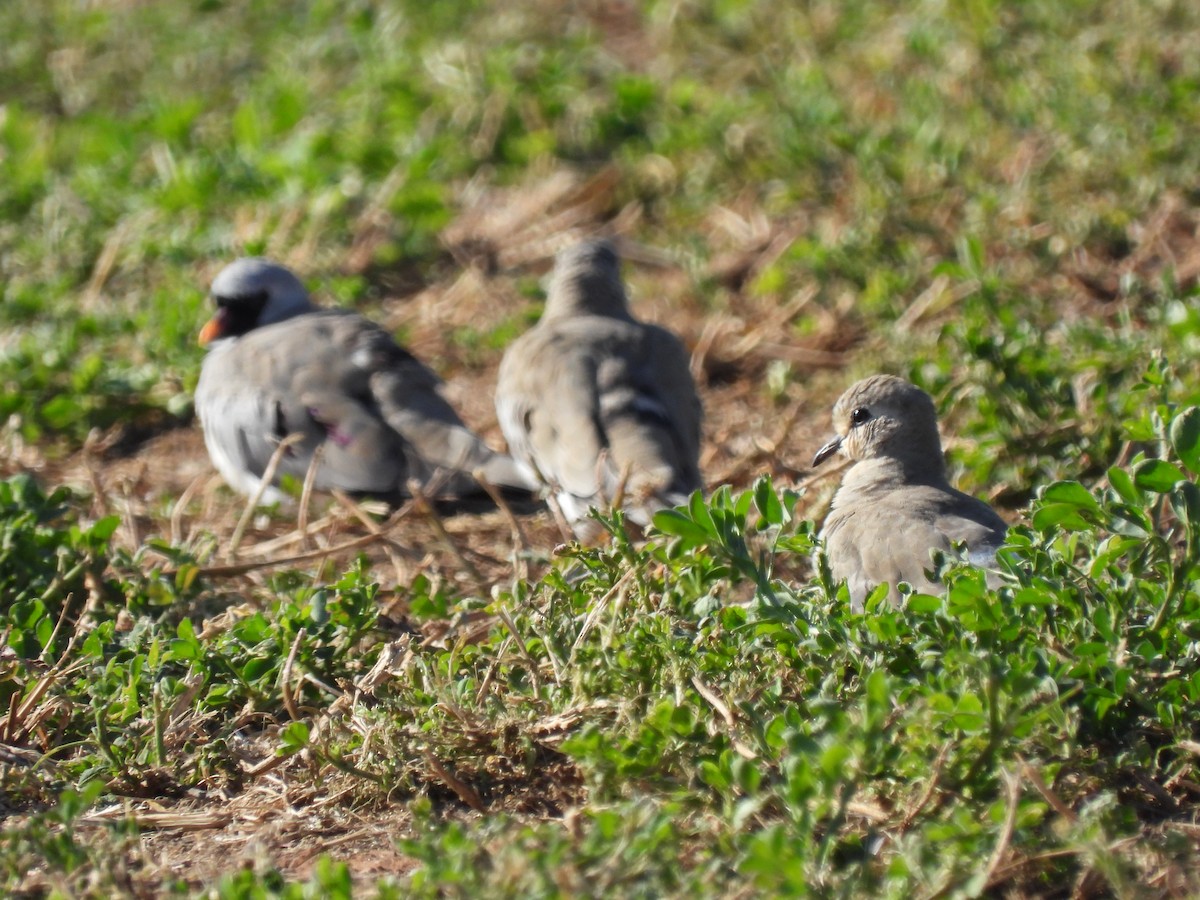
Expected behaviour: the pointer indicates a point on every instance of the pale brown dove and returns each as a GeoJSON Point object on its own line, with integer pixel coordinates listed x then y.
{"type": "Point", "coordinates": [278, 366]}
{"type": "Point", "coordinates": [894, 504]}
{"type": "Point", "coordinates": [596, 402]}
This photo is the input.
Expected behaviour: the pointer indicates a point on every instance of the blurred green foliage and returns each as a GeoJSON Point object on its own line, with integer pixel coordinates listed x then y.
{"type": "Point", "coordinates": [997, 200]}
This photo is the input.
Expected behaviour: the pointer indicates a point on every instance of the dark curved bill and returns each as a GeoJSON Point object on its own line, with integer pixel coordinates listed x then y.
{"type": "Point", "coordinates": [830, 448]}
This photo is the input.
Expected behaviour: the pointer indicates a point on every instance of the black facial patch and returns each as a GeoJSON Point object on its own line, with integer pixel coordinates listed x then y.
{"type": "Point", "coordinates": [242, 312]}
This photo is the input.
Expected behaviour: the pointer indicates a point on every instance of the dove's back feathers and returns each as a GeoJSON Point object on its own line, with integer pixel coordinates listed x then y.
{"type": "Point", "coordinates": [597, 403]}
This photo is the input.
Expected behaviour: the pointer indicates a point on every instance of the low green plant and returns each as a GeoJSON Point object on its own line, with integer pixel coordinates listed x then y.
{"type": "Point", "coordinates": [778, 738]}
{"type": "Point", "coordinates": [46, 563]}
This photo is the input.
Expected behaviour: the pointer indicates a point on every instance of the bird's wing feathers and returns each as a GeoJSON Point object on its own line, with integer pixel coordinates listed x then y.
{"type": "Point", "coordinates": [291, 379]}
{"type": "Point", "coordinates": [888, 537]}
{"type": "Point", "coordinates": [651, 415]}
{"type": "Point", "coordinates": [589, 400]}
{"type": "Point", "coordinates": [547, 406]}
{"type": "Point", "coordinates": [341, 381]}
{"type": "Point", "coordinates": [406, 397]}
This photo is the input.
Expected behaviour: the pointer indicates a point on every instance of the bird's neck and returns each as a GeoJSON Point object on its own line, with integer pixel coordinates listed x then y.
{"type": "Point", "coordinates": [300, 306]}
{"type": "Point", "coordinates": [892, 471]}
{"type": "Point", "coordinates": [586, 294]}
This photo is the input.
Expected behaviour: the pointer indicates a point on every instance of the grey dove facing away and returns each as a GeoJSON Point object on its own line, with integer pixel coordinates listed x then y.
{"type": "Point", "coordinates": [596, 402]}
{"type": "Point", "coordinates": [279, 366]}
{"type": "Point", "coordinates": [894, 504]}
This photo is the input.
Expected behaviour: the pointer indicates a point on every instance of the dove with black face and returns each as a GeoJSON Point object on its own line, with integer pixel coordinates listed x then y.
{"type": "Point", "coordinates": [279, 366]}
{"type": "Point", "coordinates": [598, 404]}
{"type": "Point", "coordinates": [894, 504]}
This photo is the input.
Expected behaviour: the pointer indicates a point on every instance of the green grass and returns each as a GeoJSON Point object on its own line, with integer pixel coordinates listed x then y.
{"type": "Point", "coordinates": [997, 200]}
{"type": "Point", "coordinates": [702, 745]}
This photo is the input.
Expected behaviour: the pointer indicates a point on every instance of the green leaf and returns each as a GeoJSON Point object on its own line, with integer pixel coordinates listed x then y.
{"type": "Point", "coordinates": [1157, 475]}
{"type": "Point", "coordinates": [1033, 597]}
{"type": "Point", "coordinates": [742, 505]}
{"type": "Point", "coordinates": [254, 669]}
{"type": "Point", "coordinates": [1110, 551]}
{"type": "Point", "coordinates": [833, 759]}
{"type": "Point", "coordinates": [1059, 515]}
{"type": "Point", "coordinates": [767, 501]}
{"type": "Point", "coordinates": [1129, 520]}
{"type": "Point", "coordinates": [672, 522]}
{"type": "Point", "coordinates": [968, 714]}
{"type": "Point", "coordinates": [746, 774]}
{"type": "Point", "coordinates": [700, 513]}
{"type": "Point", "coordinates": [185, 650]}
{"type": "Point", "coordinates": [1066, 505]}
{"type": "Point", "coordinates": [1070, 493]}
{"type": "Point", "coordinates": [923, 604]}
{"type": "Point", "coordinates": [61, 411]}
{"type": "Point", "coordinates": [104, 528]}
{"type": "Point", "coordinates": [714, 776]}
{"type": "Point", "coordinates": [293, 738]}
{"type": "Point", "coordinates": [185, 577]}
{"type": "Point", "coordinates": [1185, 501]}
{"type": "Point", "coordinates": [1122, 482]}
{"type": "Point", "coordinates": [1185, 437]}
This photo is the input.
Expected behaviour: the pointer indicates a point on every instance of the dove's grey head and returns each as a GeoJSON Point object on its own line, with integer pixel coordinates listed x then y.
{"type": "Point", "coordinates": [887, 418]}
{"type": "Point", "coordinates": [250, 292]}
{"type": "Point", "coordinates": [587, 280]}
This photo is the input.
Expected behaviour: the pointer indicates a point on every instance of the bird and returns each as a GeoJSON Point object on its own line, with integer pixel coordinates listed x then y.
{"type": "Point", "coordinates": [336, 383]}
{"type": "Point", "coordinates": [894, 504]}
{"type": "Point", "coordinates": [599, 406]}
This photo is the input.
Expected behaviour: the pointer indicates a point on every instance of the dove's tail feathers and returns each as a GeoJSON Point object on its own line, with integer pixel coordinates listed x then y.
{"type": "Point", "coordinates": [649, 466]}
{"type": "Point", "coordinates": [452, 464]}
{"type": "Point", "coordinates": [657, 459]}
{"type": "Point", "coordinates": [505, 472]}
{"type": "Point", "coordinates": [440, 450]}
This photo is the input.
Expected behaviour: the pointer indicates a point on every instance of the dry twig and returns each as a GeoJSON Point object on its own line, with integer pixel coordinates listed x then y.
{"type": "Point", "coordinates": [465, 792]}
{"type": "Point", "coordinates": [1013, 785]}
{"type": "Point", "coordinates": [285, 678]}
{"type": "Point", "coordinates": [267, 477]}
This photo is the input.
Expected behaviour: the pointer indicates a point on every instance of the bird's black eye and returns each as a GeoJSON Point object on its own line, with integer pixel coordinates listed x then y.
{"type": "Point", "coordinates": [861, 414]}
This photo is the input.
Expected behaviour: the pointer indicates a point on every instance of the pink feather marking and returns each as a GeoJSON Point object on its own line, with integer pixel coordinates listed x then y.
{"type": "Point", "coordinates": [331, 431]}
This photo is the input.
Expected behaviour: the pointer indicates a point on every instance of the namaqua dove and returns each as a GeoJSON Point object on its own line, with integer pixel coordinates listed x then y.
{"type": "Point", "coordinates": [278, 366]}
{"type": "Point", "coordinates": [894, 504]}
{"type": "Point", "coordinates": [600, 406]}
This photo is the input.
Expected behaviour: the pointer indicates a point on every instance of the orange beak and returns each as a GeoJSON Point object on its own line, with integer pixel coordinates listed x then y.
{"type": "Point", "coordinates": [213, 328]}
